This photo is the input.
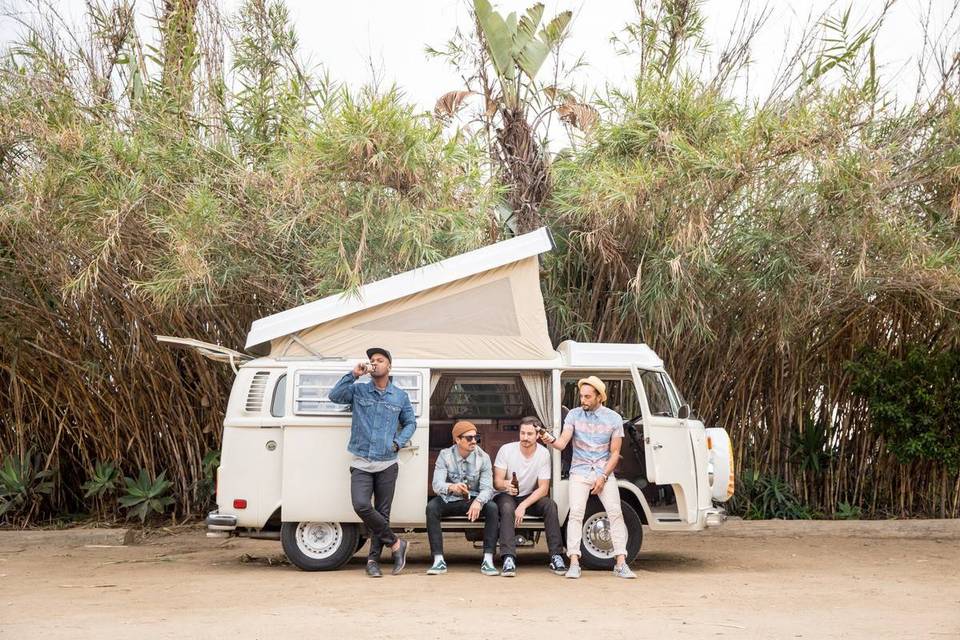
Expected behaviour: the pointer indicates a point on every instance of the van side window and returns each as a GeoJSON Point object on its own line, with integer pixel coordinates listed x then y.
{"type": "Point", "coordinates": [278, 407]}
{"type": "Point", "coordinates": [311, 395]}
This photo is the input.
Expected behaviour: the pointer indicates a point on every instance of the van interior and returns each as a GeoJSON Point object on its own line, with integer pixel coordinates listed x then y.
{"type": "Point", "coordinates": [496, 402]}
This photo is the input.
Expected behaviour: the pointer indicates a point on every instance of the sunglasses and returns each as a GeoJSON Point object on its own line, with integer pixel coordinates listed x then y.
{"type": "Point", "coordinates": [474, 438]}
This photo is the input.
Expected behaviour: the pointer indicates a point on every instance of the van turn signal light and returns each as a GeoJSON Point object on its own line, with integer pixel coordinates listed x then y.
{"type": "Point", "coordinates": [239, 503]}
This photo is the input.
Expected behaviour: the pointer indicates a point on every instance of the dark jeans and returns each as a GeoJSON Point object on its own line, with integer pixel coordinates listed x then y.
{"type": "Point", "coordinates": [544, 508]}
{"type": "Point", "coordinates": [437, 509]}
{"type": "Point", "coordinates": [378, 486]}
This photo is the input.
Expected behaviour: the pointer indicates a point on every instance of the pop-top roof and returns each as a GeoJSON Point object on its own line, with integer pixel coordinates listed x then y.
{"type": "Point", "coordinates": [483, 304]}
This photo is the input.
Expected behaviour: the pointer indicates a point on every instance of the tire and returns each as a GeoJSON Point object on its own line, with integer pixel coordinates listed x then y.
{"type": "Point", "coordinates": [319, 546]}
{"type": "Point", "coordinates": [596, 546]}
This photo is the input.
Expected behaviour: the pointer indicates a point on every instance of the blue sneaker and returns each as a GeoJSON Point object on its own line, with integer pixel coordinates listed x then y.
{"type": "Point", "coordinates": [487, 569]}
{"type": "Point", "coordinates": [439, 567]}
{"type": "Point", "coordinates": [509, 567]}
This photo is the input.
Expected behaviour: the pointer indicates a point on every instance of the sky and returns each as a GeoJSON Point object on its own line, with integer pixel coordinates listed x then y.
{"type": "Point", "coordinates": [358, 39]}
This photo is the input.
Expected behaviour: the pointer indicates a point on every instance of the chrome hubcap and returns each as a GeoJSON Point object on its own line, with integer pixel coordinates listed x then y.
{"type": "Point", "coordinates": [319, 540]}
{"type": "Point", "coordinates": [597, 537]}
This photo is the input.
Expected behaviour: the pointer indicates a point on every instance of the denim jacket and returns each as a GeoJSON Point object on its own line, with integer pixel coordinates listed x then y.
{"type": "Point", "coordinates": [380, 418]}
{"type": "Point", "coordinates": [475, 471]}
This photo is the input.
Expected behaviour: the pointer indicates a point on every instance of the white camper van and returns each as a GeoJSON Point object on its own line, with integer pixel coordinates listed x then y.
{"type": "Point", "coordinates": [469, 340]}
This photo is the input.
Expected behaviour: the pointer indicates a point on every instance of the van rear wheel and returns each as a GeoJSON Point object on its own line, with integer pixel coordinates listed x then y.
{"type": "Point", "coordinates": [319, 546]}
{"type": "Point", "coordinates": [596, 545]}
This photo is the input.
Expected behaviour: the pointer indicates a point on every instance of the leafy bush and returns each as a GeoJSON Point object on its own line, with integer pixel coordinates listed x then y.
{"type": "Point", "coordinates": [102, 482]}
{"type": "Point", "coordinates": [847, 511]}
{"type": "Point", "coordinates": [208, 485]}
{"type": "Point", "coordinates": [914, 402]}
{"type": "Point", "coordinates": [23, 484]}
{"type": "Point", "coordinates": [145, 495]}
{"type": "Point", "coordinates": [763, 497]}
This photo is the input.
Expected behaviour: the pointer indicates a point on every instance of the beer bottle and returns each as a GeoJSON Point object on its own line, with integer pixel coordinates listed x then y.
{"type": "Point", "coordinates": [515, 483]}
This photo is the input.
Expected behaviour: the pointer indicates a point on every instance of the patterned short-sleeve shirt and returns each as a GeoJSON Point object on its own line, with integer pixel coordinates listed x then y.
{"type": "Point", "coordinates": [592, 433]}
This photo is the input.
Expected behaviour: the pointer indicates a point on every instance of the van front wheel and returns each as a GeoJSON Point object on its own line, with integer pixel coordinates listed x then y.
{"type": "Point", "coordinates": [319, 546]}
{"type": "Point", "coordinates": [596, 545]}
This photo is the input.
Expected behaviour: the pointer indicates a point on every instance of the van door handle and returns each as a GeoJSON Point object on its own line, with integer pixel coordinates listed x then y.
{"type": "Point", "coordinates": [409, 448]}
{"type": "Point", "coordinates": [657, 446]}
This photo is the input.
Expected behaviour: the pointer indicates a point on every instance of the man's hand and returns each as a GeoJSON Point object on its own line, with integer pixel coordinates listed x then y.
{"type": "Point", "coordinates": [519, 513]}
{"type": "Point", "coordinates": [358, 370]}
{"type": "Point", "coordinates": [512, 490]}
{"type": "Point", "coordinates": [598, 485]}
{"type": "Point", "coordinates": [459, 489]}
{"type": "Point", "coordinates": [474, 511]}
{"type": "Point", "coordinates": [545, 437]}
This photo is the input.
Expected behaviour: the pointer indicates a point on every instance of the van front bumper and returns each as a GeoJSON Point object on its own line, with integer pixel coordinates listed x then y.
{"type": "Point", "coordinates": [715, 517]}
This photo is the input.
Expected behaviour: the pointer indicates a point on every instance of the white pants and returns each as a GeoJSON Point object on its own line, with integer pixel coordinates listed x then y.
{"type": "Point", "coordinates": [610, 498]}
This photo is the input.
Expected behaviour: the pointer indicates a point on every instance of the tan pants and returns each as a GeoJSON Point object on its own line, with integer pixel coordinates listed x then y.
{"type": "Point", "coordinates": [610, 497]}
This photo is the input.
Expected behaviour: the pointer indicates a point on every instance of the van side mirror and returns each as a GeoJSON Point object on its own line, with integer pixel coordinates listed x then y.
{"type": "Point", "coordinates": [684, 412]}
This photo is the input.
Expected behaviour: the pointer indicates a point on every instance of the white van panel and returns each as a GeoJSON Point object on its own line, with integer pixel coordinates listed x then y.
{"type": "Point", "coordinates": [250, 470]}
{"type": "Point", "coordinates": [316, 476]}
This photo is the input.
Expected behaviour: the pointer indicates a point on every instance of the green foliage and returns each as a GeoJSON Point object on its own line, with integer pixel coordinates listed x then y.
{"type": "Point", "coordinates": [810, 449]}
{"type": "Point", "coordinates": [102, 482]}
{"type": "Point", "coordinates": [515, 46]}
{"type": "Point", "coordinates": [764, 497]}
{"type": "Point", "coordinates": [847, 511]}
{"type": "Point", "coordinates": [145, 495]}
{"type": "Point", "coordinates": [208, 485]}
{"type": "Point", "coordinates": [23, 484]}
{"type": "Point", "coordinates": [914, 402]}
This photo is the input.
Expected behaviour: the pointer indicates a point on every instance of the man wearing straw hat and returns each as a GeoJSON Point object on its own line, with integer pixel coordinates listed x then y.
{"type": "Point", "coordinates": [597, 433]}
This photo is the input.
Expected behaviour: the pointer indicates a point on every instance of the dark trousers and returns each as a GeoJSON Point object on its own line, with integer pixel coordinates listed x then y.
{"type": "Point", "coordinates": [437, 510]}
{"type": "Point", "coordinates": [544, 508]}
{"type": "Point", "coordinates": [379, 487]}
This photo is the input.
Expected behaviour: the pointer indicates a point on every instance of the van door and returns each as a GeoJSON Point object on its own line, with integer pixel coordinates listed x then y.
{"type": "Point", "coordinates": [316, 476]}
{"type": "Point", "coordinates": [666, 439]}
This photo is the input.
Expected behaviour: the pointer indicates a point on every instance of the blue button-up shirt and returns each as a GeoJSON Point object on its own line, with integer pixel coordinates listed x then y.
{"type": "Point", "coordinates": [380, 418]}
{"type": "Point", "coordinates": [475, 471]}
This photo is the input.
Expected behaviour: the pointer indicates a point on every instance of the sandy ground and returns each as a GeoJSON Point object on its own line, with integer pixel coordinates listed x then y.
{"type": "Point", "coordinates": [749, 580]}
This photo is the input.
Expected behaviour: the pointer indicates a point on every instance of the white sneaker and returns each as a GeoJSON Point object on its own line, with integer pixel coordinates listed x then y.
{"type": "Point", "coordinates": [623, 571]}
{"type": "Point", "coordinates": [573, 571]}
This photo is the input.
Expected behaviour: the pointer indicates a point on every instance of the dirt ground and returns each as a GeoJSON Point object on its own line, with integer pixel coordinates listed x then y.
{"type": "Point", "coordinates": [747, 580]}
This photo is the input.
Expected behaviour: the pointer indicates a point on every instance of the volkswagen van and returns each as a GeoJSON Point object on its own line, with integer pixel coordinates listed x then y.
{"type": "Point", "coordinates": [469, 340]}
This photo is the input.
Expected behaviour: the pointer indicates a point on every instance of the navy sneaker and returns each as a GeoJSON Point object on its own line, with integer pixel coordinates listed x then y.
{"type": "Point", "coordinates": [557, 565]}
{"type": "Point", "coordinates": [509, 567]}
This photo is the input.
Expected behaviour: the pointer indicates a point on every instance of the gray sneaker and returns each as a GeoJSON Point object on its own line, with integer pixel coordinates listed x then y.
{"type": "Point", "coordinates": [623, 571]}
{"type": "Point", "coordinates": [573, 571]}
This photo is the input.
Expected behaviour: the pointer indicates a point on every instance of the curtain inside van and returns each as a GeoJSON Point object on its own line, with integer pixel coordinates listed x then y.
{"type": "Point", "coordinates": [538, 386]}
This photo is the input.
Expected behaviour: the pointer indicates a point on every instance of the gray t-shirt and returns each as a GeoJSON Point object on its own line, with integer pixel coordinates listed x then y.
{"type": "Point", "coordinates": [371, 466]}
{"type": "Point", "coordinates": [528, 470]}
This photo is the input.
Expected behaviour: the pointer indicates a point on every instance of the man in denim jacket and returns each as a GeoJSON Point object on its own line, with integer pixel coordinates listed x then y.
{"type": "Point", "coordinates": [463, 482]}
{"type": "Point", "coordinates": [383, 423]}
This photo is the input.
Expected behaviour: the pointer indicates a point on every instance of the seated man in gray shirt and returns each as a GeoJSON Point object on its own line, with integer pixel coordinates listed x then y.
{"type": "Point", "coordinates": [463, 482]}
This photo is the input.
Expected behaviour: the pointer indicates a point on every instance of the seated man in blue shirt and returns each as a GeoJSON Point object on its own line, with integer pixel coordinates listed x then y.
{"type": "Point", "coordinates": [383, 422]}
{"type": "Point", "coordinates": [463, 482]}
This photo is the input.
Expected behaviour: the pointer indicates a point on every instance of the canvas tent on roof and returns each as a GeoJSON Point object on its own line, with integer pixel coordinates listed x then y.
{"type": "Point", "coordinates": [482, 305]}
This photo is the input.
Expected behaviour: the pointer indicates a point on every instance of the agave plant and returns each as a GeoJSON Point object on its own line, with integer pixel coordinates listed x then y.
{"type": "Point", "coordinates": [145, 495]}
{"type": "Point", "coordinates": [102, 482]}
{"type": "Point", "coordinates": [22, 486]}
